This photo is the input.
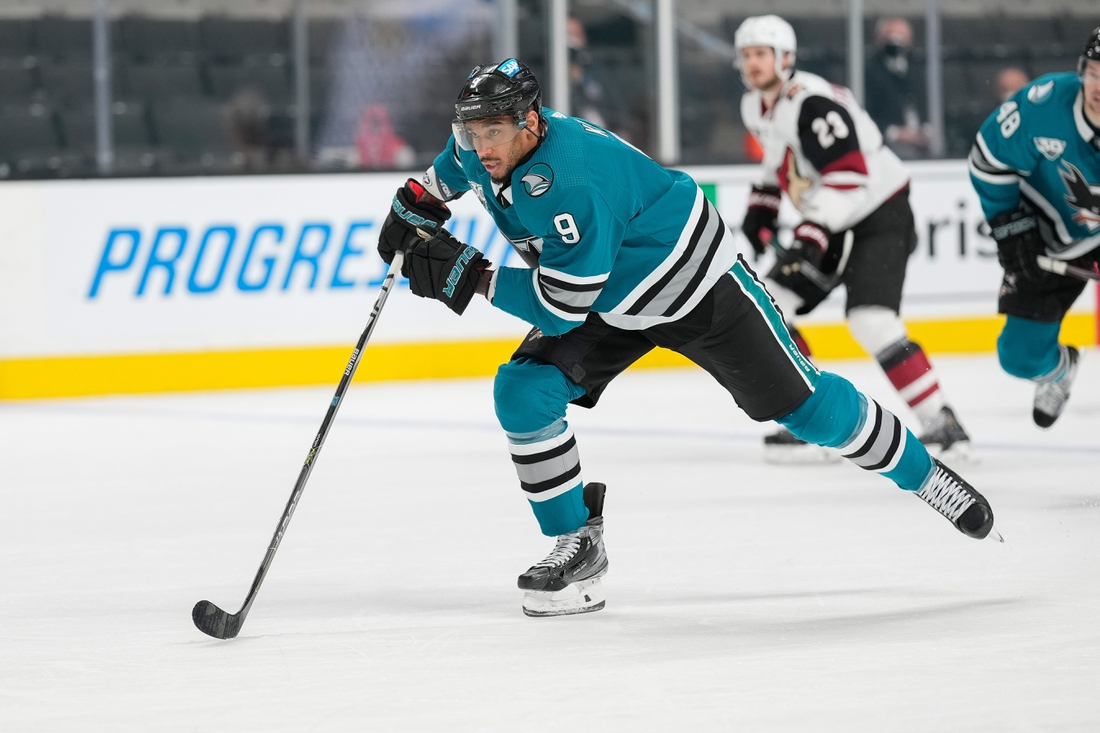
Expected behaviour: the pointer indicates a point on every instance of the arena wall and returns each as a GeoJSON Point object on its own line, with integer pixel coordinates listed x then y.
{"type": "Point", "coordinates": [147, 285]}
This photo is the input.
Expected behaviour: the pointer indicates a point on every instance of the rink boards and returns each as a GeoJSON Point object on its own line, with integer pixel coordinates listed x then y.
{"type": "Point", "coordinates": [147, 285]}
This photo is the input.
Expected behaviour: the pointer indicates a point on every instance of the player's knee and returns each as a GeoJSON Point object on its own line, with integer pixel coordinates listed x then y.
{"type": "Point", "coordinates": [830, 416]}
{"type": "Point", "coordinates": [875, 327]}
{"type": "Point", "coordinates": [1028, 349]}
{"type": "Point", "coordinates": [529, 395]}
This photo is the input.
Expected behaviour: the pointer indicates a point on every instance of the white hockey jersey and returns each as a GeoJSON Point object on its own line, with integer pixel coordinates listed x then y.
{"type": "Point", "coordinates": [824, 150]}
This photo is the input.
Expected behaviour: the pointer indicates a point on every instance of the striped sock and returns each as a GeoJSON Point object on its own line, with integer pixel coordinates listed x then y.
{"type": "Point", "coordinates": [549, 468]}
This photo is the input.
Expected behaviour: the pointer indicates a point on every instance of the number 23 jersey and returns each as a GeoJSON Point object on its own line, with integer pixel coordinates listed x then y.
{"type": "Point", "coordinates": [824, 151]}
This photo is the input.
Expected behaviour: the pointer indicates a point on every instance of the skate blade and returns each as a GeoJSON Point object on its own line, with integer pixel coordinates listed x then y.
{"type": "Point", "coordinates": [799, 455]}
{"type": "Point", "coordinates": [583, 597]}
{"type": "Point", "coordinates": [958, 453]}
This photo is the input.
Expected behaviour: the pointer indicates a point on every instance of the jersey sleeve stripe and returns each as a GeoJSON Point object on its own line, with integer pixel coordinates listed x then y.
{"type": "Point", "coordinates": [567, 286]}
{"type": "Point", "coordinates": [977, 159]}
{"type": "Point", "coordinates": [996, 179]}
{"type": "Point", "coordinates": [568, 300]}
{"type": "Point", "coordinates": [845, 177]}
{"type": "Point", "coordinates": [853, 161]}
{"type": "Point", "coordinates": [987, 156]}
{"type": "Point", "coordinates": [565, 277]}
{"type": "Point", "coordinates": [566, 311]}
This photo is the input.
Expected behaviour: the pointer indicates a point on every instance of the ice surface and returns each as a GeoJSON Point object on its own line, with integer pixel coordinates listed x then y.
{"type": "Point", "coordinates": [742, 596]}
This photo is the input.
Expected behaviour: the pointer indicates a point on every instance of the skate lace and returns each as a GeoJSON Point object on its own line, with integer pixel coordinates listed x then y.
{"type": "Point", "coordinates": [1052, 393]}
{"type": "Point", "coordinates": [564, 551]}
{"type": "Point", "coordinates": [944, 494]}
{"type": "Point", "coordinates": [1050, 397]}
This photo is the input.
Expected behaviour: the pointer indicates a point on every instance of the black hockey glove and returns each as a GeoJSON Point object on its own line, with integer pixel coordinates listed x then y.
{"type": "Point", "coordinates": [808, 268]}
{"type": "Point", "coordinates": [412, 208]}
{"type": "Point", "coordinates": [761, 224]}
{"type": "Point", "coordinates": [1018, 243]}
{"type": "Point", "coordinates": [445, 269]}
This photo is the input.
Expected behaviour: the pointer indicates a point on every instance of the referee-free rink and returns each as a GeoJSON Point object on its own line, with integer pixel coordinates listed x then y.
{"type": "Point", "coordinates": [741, 596]}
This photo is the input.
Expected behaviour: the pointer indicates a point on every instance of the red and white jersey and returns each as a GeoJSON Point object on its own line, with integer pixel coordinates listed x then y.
{"type": "Point", "coordinates": [824, 150]}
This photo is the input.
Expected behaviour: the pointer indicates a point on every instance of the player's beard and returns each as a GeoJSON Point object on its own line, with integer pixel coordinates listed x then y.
{"type": "Point", "coordinates": [770, 85]}
{"type": "Point", "coordinates": [503, 171]}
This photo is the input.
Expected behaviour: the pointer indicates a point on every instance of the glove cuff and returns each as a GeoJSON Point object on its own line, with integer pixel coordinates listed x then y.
{"type": "Point", "coordinates": [764, 198]}
{"type": "Point", "coordinates": [1011, 224]}
{"type": "Point", "coordinates": [808, 231]}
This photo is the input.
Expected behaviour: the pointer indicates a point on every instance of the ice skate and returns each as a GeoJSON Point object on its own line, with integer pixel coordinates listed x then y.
{"type": "Point", "coordinates": [945, 438]}
{"type": "Point", "coordinates": [783, 447]}
{"type": "Point", "coordinates": [947, 493]}
{"type": "Point", "coordinates": [568, 580]}
{"type": "Point", "coordinates": [1052, 391]}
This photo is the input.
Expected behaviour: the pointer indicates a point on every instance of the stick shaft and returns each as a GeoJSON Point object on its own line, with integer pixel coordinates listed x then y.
{"type": "Point", "coordinates": [1061, 268]}
{"type": "Point", "coordinates": [319, 440]}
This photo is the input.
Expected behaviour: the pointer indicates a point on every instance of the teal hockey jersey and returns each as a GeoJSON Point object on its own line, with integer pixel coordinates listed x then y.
{"type": "Point", "coordinates": [1039, 147]}
{"type": "Point", "coordinates": [603, 227]}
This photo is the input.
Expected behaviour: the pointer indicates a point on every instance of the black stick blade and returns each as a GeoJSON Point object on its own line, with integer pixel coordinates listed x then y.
{"type": "Point", "coordinates": [212, 621]}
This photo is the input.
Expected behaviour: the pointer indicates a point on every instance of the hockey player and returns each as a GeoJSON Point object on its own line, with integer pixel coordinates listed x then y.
{"type": "Point", "coordinates": [1036, 167]}
{"type": "Point", "coordinates": [624, 256]}
{"type": "Point", "coordinates": [826, 154]}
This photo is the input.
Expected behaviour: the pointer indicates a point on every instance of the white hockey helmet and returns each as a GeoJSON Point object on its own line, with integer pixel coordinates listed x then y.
{"type": "Point", "coordinates": [771, 31]}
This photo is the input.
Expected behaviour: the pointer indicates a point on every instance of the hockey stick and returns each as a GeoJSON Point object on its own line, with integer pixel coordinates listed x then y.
{"type": "Point", "coordinates": [1061, 268]}
{"type": "Point", "coordinates": [208, 617]}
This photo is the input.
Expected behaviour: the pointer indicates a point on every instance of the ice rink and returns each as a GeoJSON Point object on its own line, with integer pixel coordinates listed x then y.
{"type": "Point", "coordinates": [741, 596]}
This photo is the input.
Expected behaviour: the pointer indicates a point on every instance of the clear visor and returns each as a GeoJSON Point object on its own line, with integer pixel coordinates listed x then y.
{"type": "Point", "coordinates": [484, 134]}
{"type": "Point", "coordinates": [1089, 70]}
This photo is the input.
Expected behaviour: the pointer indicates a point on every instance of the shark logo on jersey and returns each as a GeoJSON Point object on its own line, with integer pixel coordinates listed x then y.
{"type": "Point", "coordinates": [527, 244]}
{"type": "Point", "coordinates": [538, 179]}
{"type": "Point", "coordinates": [1082, 196]}
{"type": "Point", "coordinates": [1050, 147]}
{"type": "Point", "coordinates": [1040, 93]}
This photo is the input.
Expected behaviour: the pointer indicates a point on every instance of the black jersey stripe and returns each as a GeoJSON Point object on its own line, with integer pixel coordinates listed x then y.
{"type": "Point", "coordinates": [582, 301]}
{"type": "Point", "coordinates": [978, 159]}
{"type": "Point", "coordinates": [575, 287]}
{"type": "Point", "coordinates": [700, 273]}
{"type": "Point", "coordinates": [658, 286]}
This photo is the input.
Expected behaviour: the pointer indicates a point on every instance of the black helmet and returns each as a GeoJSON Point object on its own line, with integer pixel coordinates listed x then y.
{"type": "Point", "coordinates": [1091, 52]}
{"type": "Point", "coordinates": [507, 88]}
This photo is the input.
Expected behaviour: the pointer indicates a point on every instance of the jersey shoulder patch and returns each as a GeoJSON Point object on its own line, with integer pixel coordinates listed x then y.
{"type": "Point", "coordinates": [537, 180]}
{"type": "Point", "coordinates": [1040, 93]}
{"type": "Point", "coordinates": [1049, 87]}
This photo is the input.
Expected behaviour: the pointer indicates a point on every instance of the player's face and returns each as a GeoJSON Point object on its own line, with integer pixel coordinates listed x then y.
{"type": "Point", "coordinates": [758, 66]}
{"type": "Point", "coordinates": [1091, 80]}
{"type": "Point", "coordinates": [500, 153]}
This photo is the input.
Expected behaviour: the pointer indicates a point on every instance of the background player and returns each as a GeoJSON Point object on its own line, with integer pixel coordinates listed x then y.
{"type": "Point", "coordinates": [625, 256]}
{"type": "Point", "coordinates": [1036, 167]}
{"type": "Point", "coordinates": [826, 154]}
